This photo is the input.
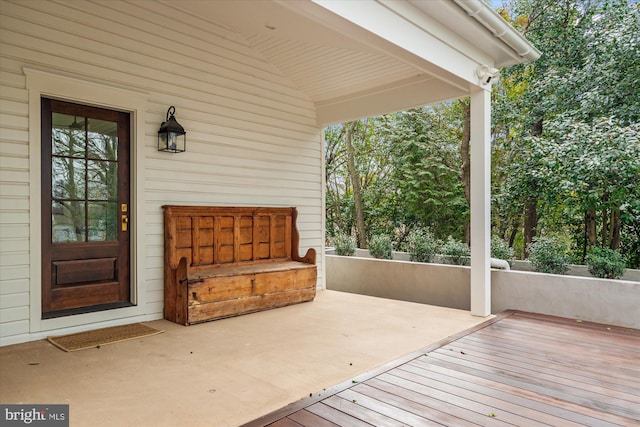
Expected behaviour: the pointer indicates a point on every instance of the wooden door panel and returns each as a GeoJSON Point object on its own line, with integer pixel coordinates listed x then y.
{"type": "Point", "coordinates": [84, 296]}
{"type": "Point", "coordinates": [65, 251]}
{"type": "Point", "coordinates": [82, 271]}
{"type": "Point", "coordinates": [85, 208]}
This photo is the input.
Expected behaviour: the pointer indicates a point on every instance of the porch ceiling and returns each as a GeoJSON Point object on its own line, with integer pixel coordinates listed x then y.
{"type": "Point", "coordinates": [348, 70]}
{"type": "Point", "coordinates": [323, 62]}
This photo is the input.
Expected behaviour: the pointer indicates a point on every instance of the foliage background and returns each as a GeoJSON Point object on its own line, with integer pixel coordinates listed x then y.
{"type": "Point", "coordinates": [565, 144]}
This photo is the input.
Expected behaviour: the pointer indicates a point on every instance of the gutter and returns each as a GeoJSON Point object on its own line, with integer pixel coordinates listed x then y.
{"type": "Point", "coordinates": [500, 28]}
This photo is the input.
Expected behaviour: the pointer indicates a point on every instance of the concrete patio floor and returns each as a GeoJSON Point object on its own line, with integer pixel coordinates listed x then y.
{"type": "Point", "coordinates": [227, 372]}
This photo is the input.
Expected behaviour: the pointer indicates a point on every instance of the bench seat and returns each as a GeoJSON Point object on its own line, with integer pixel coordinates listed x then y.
{"type": "Point", "coordinates": [222, 262]}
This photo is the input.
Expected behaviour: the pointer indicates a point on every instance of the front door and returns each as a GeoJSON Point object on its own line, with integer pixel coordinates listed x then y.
{"type": "Point", "coordinates": [85, 208]}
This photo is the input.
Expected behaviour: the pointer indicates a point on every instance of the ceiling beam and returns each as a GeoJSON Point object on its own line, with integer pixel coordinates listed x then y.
{"type": "Point", "coordinates": [395, 96]}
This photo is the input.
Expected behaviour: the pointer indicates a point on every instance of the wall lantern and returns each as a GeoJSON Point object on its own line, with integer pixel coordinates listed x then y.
{"type": "Point", "coordinates": [171, 136]}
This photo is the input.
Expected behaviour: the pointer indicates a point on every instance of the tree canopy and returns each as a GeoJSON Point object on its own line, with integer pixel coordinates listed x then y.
{"type": "Point", "coordinates": [565, 135]}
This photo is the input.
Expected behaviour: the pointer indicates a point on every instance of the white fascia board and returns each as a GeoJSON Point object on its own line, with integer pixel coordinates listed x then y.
{"type": "Point", "coordinates": [389, 25]}
{"type": "Point", "coordinates": [396, 96]}
{"type": "Point", "coordinates": [445, 33]}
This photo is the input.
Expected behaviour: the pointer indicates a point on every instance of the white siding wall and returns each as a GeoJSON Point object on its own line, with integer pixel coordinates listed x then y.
{"type": "Point", "coordinates": [251, 136]}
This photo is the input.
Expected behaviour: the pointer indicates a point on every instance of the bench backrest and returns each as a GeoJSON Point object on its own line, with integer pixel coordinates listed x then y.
{"type": "Point", "coordinates": [211, 236]}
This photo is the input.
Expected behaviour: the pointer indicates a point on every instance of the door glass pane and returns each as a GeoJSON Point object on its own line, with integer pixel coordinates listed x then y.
{"type": "Point", "coordinates": [67, 218]}
{"type": "Point", "coordinates": [102, 180]}
{"type": "Point", "coordinates": [84, 179]}
{"type": "Point", "coordinates": [67, 135]}
{"type": "Point", "coordinates": [102, 140]}
{"type": "Point", "coordinates": [103, 221]}
{"type": "Point", "coordinates": [68, 178]}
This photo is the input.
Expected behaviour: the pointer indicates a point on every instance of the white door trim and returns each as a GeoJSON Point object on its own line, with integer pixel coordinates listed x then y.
{"type": "Point", "coordinates": [75, 89]}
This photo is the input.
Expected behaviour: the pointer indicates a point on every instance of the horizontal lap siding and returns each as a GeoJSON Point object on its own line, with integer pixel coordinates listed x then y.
{"type": "Point", "coordinates": [14, 200]}
{"type": "Point", "coordinates": [251, 135]}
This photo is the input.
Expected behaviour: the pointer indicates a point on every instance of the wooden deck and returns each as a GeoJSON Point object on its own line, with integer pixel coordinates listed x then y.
{"type": "Point", "coordinates": [516, 369]}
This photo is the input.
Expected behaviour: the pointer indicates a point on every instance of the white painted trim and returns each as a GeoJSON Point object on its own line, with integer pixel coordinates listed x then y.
{"type": "Point", "coordinates": [396, 96]}
{"type": "Point", "coordinates": [323, 191]}
{"type": "Point", "coordinates": [76, 89]}
{"type": "Point", "coordinates": [481, 201]}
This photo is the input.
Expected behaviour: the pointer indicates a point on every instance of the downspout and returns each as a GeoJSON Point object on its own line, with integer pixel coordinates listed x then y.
{"type": "Point", "coordinates": [493, 22]}
{"type": "Point", "coordinates": [500, 263]}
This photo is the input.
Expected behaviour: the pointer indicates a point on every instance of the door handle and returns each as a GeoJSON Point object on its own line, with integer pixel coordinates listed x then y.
{"type": "Point", "coordinates": [124, 222]}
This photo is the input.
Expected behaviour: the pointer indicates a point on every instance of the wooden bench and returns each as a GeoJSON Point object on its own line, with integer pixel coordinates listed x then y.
{"type": "Point", "coordinates": [226, 261]}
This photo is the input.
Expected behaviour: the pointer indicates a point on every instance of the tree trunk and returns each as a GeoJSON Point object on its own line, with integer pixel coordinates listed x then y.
{"type": "Point", "coordinates": [614, 240]}
{"type": "Point", "coordinates": [604, 231]}
{"type": "Point", "coordinates": [355, 182]}
{"type": "Point", "coordinates": [466, 162]}
{"type": "Point", "coordinates": [531, 204]}
{"type": "Point", "coordinates": [335, 212]}
{"type": "Point", "coordinates": [530, 222]}
{"type": "Point", "coordinates": [590, 225]}
{"type": "Point", "coordinates": [515, 227]}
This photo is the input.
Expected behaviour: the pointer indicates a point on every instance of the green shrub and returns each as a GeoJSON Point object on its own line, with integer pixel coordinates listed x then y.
{"type": "Point", "coordinates": [380, 246]}
{"type": "Point", "coordinates": [501, 250]}
{"type": "Point", "coordinates": [345, 244]}
{"type": "Point", "coordinates": [605, 263]}
{"type": "Point", "coordinates": [548, 255]}
{"type": "Point", "coordinates": [423, 246]}
{"type": "Point", "coordinates": [455, 252]}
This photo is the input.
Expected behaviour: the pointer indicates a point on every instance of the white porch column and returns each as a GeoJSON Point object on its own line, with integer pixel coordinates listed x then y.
{"type": "Point", "coordinates": [480, 154]}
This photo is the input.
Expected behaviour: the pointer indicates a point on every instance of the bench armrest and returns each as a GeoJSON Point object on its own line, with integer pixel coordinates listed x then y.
{"type": "Point", "coordinates": [308, 258]}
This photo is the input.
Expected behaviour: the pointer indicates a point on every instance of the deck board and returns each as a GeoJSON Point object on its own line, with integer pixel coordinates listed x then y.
{"type": "Point", "coordinates": [424, 406]}
{"type": "Point", "coordinates": [597, 371]}
{"type": "Point", "coordinates": [337, 416]}
{"type": "Point", "coordinates": [519, 369]}
{"type": "Point", "coordinates": [285, 422]}
{"type": "Point", "coordinates": [308, 419]}
{"type": "Point", "coordinates": [566, 410]}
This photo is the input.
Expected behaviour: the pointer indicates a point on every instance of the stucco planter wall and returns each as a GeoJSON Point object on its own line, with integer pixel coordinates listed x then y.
{"type": "Point", "coordinates": [615, 302]}
{"type": "Point", "coordinates": [574, 270]}
{"type": "Point", "coordinates": [436, 284]}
